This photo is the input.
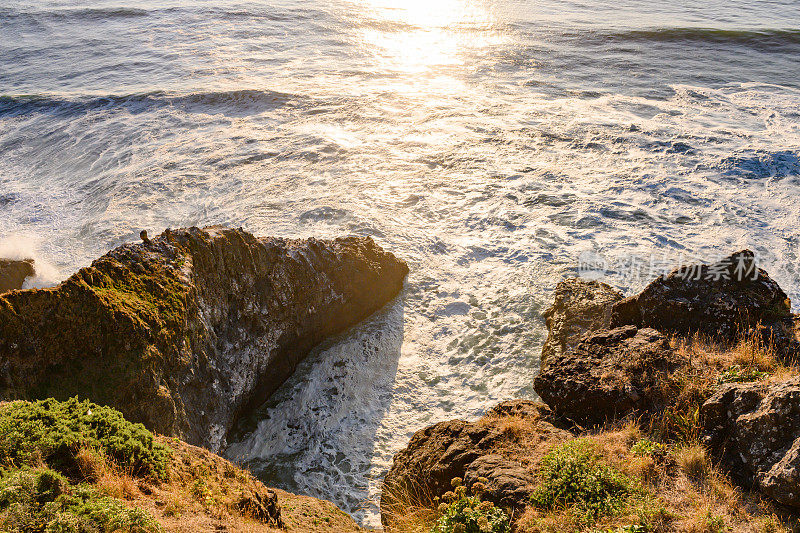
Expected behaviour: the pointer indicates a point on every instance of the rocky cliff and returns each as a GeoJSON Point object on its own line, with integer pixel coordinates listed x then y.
{"type": "Point", "coordinates": [184, 331]}
{"type": "Point", "coordinates": [656, 407]}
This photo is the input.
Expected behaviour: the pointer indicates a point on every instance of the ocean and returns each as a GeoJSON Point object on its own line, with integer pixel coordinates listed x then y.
{"type": "Point", "coordinates": [496, 145]}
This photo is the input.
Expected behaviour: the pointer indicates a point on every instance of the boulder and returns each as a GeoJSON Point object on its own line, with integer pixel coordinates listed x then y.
{"type": "Point", "coordinates": [722, 301]}
{"type": "Point", "coordinates": [14, 272]}
{"type": "Point", "coordinates": [468, 450]}
{"type": "Point", "coordinates": [186, 331]}
{"type": "Point", "coordinates": [754, 430]}
{"type": "Point", "coordinates": [609, 374]}
{"type": "Point", "coordinates": [580, 306]}
{"type": "Point", "coordinates": [509, 483]}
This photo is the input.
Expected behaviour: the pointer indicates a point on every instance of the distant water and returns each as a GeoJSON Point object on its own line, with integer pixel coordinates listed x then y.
{"type": "Point", "coordinates": [488, 143]}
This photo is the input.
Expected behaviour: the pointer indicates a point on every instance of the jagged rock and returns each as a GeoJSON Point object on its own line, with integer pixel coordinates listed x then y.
{"type": "Point", "coordinates": [261, 503]}
{"type": "Point", "coordinates": [456, 448]}
{"type": "Point", "coordinates": [509, 483]}
{"type": "Point", "coordinates": [525, 409]}
{"type": "Point", "coordinates": [580, 306]}
{"type": "Point", "coordinates": [14, 272]}
{"type": "Point", "coordinates": [608, 374]}
{"type": "Point", "coordinates": [184, 332]}
{"type": "Point", "coordinates": [754, 429]}
{"type": "Point", "coordinates": [722, 301]}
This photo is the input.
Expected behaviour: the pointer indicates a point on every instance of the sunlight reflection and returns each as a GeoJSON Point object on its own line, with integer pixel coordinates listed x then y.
{"type": "Point", "coordinates": [413, 36]}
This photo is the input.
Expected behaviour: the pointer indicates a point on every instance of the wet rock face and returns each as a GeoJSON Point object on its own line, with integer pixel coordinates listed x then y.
{"type": "Point", "coordinates": [185, 331]}
{"type": "Point", "coordinates": [580, 306]}
{"type": "Point", "coordinates": [721, 301]}
{"type": "Point", "coordinates": [754, 428]}
{"type": "Point", "coordinates": [14, 272]}
{"type": "Point", "coordinates": [609, 374]}
{"type": "Point", "coordinates": [469, 450]}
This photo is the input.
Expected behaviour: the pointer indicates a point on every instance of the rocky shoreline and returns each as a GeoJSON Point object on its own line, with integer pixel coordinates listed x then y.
{"type": "Point", "coordinates": [185, 331]}
{"type": "Point", "coordinates": [704, 359]}
{"type": "Point", "coordinates": [680, 405]}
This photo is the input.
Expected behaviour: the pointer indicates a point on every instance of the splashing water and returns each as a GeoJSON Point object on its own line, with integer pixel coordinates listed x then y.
{"type": "Point", "coordinates": [488, 143]}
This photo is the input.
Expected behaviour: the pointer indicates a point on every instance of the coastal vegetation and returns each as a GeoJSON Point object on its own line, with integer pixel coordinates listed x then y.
{"type": "Point", "coordinates": [77, 467]}
{"type": "Point", "coordinates": [642, 431]}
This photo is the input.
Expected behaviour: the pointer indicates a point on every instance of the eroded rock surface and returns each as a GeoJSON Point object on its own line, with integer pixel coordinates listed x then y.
{"type": "Point", "coordinates": [184, 331]}
{"type": "Point", "coordinates": [722, 301]}
{"type": "Point", "coordinates": [14, 272]}
{"type": "Point", "coordinates": [579, 306]}
{"type": "Point", "coordinates": [609, 374]}
{"type": "Point", "coordinates": [509, 483]}
{"type": "Point", "coordinates": [754, 428]}
{"type": "Point", "coordinates": [457, 448]}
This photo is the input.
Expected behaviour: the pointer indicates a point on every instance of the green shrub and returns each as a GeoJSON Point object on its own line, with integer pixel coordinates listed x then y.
{"type": "Point", "coordinates": [40, 500]}
{"type": "Point", "coordinates": [53, 432]}
{"type": "Point", "coordinates": [574, 475]}
{"type": "Point", "coordinates": [645, 447]}
{"type": "Point", "coordinates": [468, 514]}
{"type": "Point", "coordinates": [738, 374]}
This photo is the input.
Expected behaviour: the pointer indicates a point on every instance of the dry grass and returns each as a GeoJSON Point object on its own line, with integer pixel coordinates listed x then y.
{"type": "Point", "coordinates": [203, 494]}
{"type": "Point", "coordinates": [409, 509]}
{"type": "Point", "coordinates": [680, 489]}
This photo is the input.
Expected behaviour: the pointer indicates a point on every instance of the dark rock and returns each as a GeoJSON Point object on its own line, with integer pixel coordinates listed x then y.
{"type": "Point", "coordinates": [14, 272]}
{"type": "Point", "coordinates": [185, 332]}
{"type": "Point", "coordinates": [722, 301]}
{"type": "Point", "coordinates": [527, 409]}
{"type": "Point", "coordinates": [608, 374]}
{"type": "Point", "coordinates": [261, 504]}
{"type": "Point", "coordinates": [580, 306]}
{"type": "Point", "coordinates": [456, 448]}
{"type": "Point", "coordinates": [754, 430]}
{"type": "Point", "coordinates": [509, 484]}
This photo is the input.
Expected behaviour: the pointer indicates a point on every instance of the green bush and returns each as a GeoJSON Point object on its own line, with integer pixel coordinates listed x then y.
{"type": "Point", "coordinates": [738, 374]}
{"type": "Point", "coordinates": [468, 514]}
{"type": "Point", "coordinates": [40, 500]}
{"type": "Point", "coordinates": [574, 475]}
{"type": "Point", "coordinates": [53, 432]}
{"type": "Point", "coordinates": [645, 447]}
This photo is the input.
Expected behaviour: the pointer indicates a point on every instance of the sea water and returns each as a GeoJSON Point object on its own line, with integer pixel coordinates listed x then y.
{"type": "Point", "coordinates": [492, 144]}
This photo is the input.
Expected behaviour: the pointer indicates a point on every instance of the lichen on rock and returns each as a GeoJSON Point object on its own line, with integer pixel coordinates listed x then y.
{"type": "Point", "coordinates": [609, 374]}
{"type": "Point", "coordinates": [754, 428]}
{"type": "Point", "coordinates": [579, 306]}
{"type": "Point", "coordinates": [185, 331]}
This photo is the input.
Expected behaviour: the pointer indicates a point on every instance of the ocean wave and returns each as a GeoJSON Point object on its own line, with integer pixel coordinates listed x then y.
{"type": "Point", "coordinates": [714, 35]}
{"type": "Point", "coordinates": [78, 14]}
{"type": "Point", "coordinates": [760, 164]}
{"type": "Point", "coordinates": [245, 101]}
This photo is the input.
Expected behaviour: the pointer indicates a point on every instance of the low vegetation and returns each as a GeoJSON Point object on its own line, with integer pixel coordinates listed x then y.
{"type": "Point", "coordinates": [575, 475]}
{"type": "Point", "coordinates": [55, 433]}
{"type": "Point", "coordinates": [643, 475]}
{"type": "Point", "coordinates": [465, 513]}
{"type": "Point", "coordinates": [77, 467]}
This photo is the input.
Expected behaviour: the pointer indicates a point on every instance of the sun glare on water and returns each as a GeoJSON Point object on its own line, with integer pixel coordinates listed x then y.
{"type": "Point", "coordinates": [419, 36]}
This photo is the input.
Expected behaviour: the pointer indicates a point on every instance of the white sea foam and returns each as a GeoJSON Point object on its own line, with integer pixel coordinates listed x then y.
{"type": "Point", "coordinates": [489, 144]}
{"type": "Point", "coordinates": [27, 247]}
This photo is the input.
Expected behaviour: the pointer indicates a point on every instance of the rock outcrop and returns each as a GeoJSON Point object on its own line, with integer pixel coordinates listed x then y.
{"type": "Point", "coordinates": [469, 450]}
{"type": "Point", "coordinates": [609, 374]}
{"type": "Point", "coordinates": [184, 332]}
{"type": "Point", "coordinates": [579, 306]}
{"type": "Point", "coordinates": [721, 301]}
{"type": "Point", "coordinates": [13, 273]}
{"type": "Point", "coordinates": [754, 428]}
